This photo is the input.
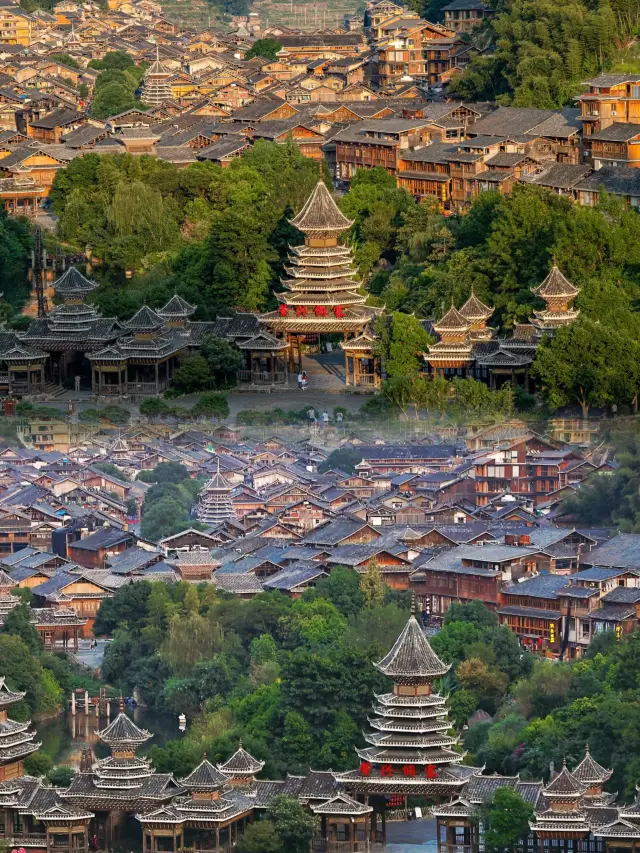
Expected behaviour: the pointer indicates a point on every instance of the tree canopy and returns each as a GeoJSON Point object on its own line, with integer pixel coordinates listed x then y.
{"type": "Point", "coordinates": [533, 68]}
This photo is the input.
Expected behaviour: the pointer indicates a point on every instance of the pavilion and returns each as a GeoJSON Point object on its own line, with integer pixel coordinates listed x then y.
{"type": "Point", "coordinates": [321, 294]}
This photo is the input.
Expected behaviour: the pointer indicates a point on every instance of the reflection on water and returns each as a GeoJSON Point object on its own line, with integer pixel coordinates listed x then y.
{"type": "Point", "coordinates": [64, 737]}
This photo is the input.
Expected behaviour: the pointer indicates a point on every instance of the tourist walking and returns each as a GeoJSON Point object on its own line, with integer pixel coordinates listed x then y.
{"type": "Point", "coordinates": [300, 375]}
{"type": "Point", "coordinates": [304, 380]}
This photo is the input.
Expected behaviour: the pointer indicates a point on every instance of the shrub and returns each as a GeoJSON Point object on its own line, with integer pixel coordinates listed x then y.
{"type": "Point", "coordinates": [154, 406]}
{"type": "Point", "coordinates": [213, 404]}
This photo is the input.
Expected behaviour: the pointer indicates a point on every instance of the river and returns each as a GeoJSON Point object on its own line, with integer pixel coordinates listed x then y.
{"type": "Point", "coordinates": [64, 737]}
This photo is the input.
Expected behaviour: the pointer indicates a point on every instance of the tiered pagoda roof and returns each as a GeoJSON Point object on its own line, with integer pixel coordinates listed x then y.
{"type": "Point", "coordinates": [590, 773]}
{"type": "Point", "coordinates": [241, 765]}
{"type": "Point", "coordinates": [211, 802]}
{"type": "Point", "coordinates": [123, 781]}
{"type": "Point", "coordinates": [73, 284]}
{"type": "Point", "coordinates": [477, 313]}
{"type": "Point", "coordinates": [214, 501]}
{"type": "Point", "coordinates": [205, 778]}
{"type": "Point", "coordinates": [155, 85]}
{"type": "Point", "coordinates": [16, 741]}
{"type": "Point", "coordinates": [122, 733]}
{"type": "Point", "coordinates": [558, 293]}
{"type": "Point", "coordinates": [320, 295]}
{"type": "Point", "coordinates": [74, 325]}
{"type": "Point", "coordinates": [154, 335]}
{"type": "Point", "coordinates": [454, 347]}
{"type": "Point", "coordinates": [565, 812]}
{"type": "Point", "coordinates": [176, 308]}
{"type": "Point", "coordinates": [411, 751]}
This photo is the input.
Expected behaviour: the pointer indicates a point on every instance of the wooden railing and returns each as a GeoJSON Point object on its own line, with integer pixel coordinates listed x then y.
{"type": "Point", "coordinates": [365, 379]}
{"type": "Point", "coordinates": [34, 839]}
{"type": "Point", "coordinates": [330, 845]}
{"type": "Point", "coordinates": [108, 390]}
{"type": "Point", "coordinates": [146, 387]}
{"type": "Point", "coordinates": [262, 377]}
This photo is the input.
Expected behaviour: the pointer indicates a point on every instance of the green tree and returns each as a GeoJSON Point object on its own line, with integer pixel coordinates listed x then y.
{"type": "Point", "coordinates": [18, 623]}
{"type": "Point", "coordinates": [297, 740]}
{"type": "Point", "coordinates": [114, 59]}
{"type": "Point", "coordinates": [294, 826]}
{"type": "Point", "coordinates": [401, 342]}
{"type": "Point", "coordinates": [212, 405]}
{"type": "Point", "coordinates": [343, 459]}
{"type": "Point", "coordinates": [506, 821]}
{"type": "Point", "coordinates": [586, 363]}
{"type": "Point", "coordinates": [165, 472]}
{"type": "Point", "coordinates": [193, 375]}
{"type": "Point", "coordinates": [65, 59]}
{"type": "Point", "coordinates": [154, 406]}
{"type": "Point", "coordinates": [372, 585]}
{"type": "Point", "coordinates": [61, 776]}
{"type": "Point", "coordinates": [260, 837]}
{"type": "Point", "coordinates": [224, 360]}
{"type": "Point", "coordinates": [112, 470]}
{"type": "Point", "coordinates": [112, 99]}
{"type": "Point", "coordinates": [341, 588]}
{"type": "Point", "coordinates": [267, 48]}
{"type": "Point", "coordinates": [38, 764]}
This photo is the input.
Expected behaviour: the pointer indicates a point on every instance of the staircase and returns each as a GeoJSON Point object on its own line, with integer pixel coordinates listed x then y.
{"type": "Point", "coordinates": [53, 390]}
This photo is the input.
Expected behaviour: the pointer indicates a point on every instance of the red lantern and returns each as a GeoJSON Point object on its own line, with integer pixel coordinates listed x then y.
{"type": "Point", "coordinates": [386, 770]}
{"type": "Point", "coordinates": [431, 771]}
{"type": "Point", "coordinates": [282, 310]}
{"type": "Point", "coordinates": [320, 311]}
{"type": "Point", "coordinates": [301, 311]}
{"type": "Point", "coordinates": [338, 311]}
{"type": "Point", "coordinates": [365, 768]}
{"type": "Point", "coordinates": [408, 769]}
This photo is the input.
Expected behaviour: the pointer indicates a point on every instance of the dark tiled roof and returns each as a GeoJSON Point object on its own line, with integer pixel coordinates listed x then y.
{"type": "Point", "coordinates": [621, 551]}
{"type": "Point", "coordinates": [205, 777]}
{"type": "Point", "coordinates": [412, 656]}
{"type": "Point", "coordinates": [321, 213]}
{"type": "Point", "coordinates": [542, 586]}
{"type": "Point", "coordinates": [562, 176]}
{"type": "Point", "coordinates": [619, 131]}
{"type": "Point", "coordinates": [589, 771]}
{"type": "Point", "coordinates": [241, 762]}
{"type": "Point", "coordinates": [123, 731]}
{"type": "Point", "coordinates": [103, 538]}
{"type": "Point", "coordinates": [620, 180]}
{"type": "Point", "coordinates": [556, 284]}
{"type": "Point", "coordinates": [145, 318]}
{"type": "Point", "coordinates": [564, 783]}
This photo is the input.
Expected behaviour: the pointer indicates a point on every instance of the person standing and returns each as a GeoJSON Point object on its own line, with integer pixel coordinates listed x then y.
{"type": "Point", "coordinates": [77, 383]}
{"type": "Point", "coordinates": [305, 381]}
{"type": "Point", "coordinates": [300, 380]}
{"type": "Point", "coordinates": [325, 419]}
